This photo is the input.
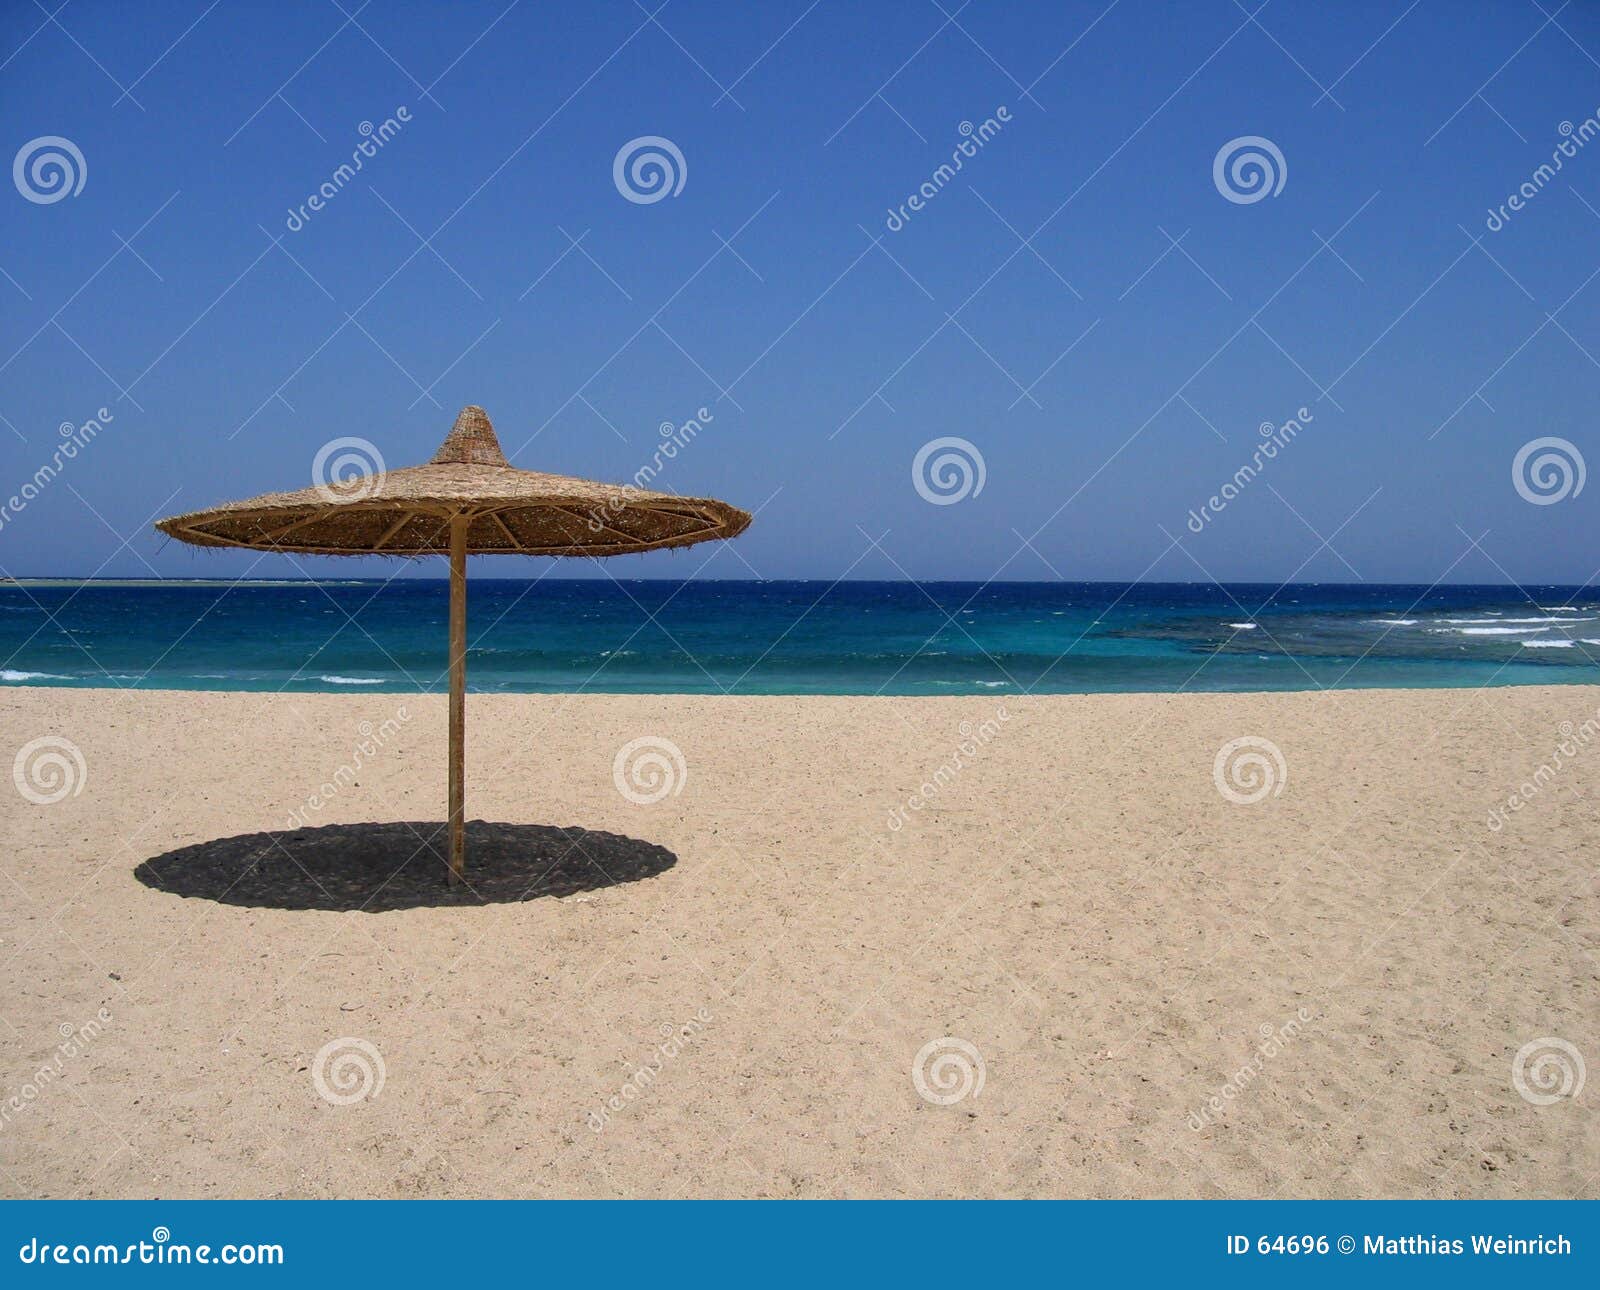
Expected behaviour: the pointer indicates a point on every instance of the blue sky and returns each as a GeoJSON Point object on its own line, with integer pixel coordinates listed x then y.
{"type": "Point", "coordinates": [1081, 303]}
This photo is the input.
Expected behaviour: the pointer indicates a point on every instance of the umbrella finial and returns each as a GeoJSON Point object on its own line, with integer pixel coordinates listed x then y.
{"type": "Point", "coordinates": [471, 441]}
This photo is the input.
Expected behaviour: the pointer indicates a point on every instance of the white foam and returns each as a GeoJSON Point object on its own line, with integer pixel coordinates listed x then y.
{"type": "Point", "coordinates": [1242, 627]}
{"type": "Point", "coordinates": [1500, 631]}
{"type": "Point", "coordinates": [352, 680]}
{"type": "Point", "coordinates": [9, 674]}
{"type": "Point", "coordinates": [1396, 622]}
{"type": "Point", "coordinates": [1516, 620]}
{"type": "Point", "coordinates": [1547, 644]}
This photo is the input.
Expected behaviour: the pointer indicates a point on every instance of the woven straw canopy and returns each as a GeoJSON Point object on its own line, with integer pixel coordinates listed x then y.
{"type": "Point", "coordinates": [509, 511]}
{"type": "Point", "coordinates": [469, 500]}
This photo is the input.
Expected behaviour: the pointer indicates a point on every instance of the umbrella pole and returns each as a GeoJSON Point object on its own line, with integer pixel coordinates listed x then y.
{"type": "Point", "coordinates": [458, 694]}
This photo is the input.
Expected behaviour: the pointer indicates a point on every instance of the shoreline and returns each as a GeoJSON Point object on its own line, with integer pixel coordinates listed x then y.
{"type": "Point", "coordinates": [1592, 683]}
{"type": "Point", "coordinates": [356, 690]}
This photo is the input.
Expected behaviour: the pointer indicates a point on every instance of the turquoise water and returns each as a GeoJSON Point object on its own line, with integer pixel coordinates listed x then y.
{"type": "Point", "coordinates": [795, 637]}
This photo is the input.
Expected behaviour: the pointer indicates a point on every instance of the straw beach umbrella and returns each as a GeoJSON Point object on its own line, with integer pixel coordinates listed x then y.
{"type": "Point", "coordinates": [469, 500]}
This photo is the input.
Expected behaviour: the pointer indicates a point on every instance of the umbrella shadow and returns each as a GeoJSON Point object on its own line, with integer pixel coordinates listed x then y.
{"type": "Point", "coordinates": [376, 868]}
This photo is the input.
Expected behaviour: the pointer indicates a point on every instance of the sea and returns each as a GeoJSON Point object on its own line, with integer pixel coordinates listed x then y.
{"type": "Point", "coordinates": [702, 637]}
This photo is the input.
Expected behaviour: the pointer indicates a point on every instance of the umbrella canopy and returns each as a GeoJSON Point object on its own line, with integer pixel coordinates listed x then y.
{"type": "Point", "coordinates": [508, 511]}
{"type": "Point", "coordinates": [469, 500]}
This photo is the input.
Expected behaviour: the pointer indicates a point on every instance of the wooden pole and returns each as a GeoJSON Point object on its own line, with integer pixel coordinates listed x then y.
{"type": "Point", "coordinates": [458, 695]}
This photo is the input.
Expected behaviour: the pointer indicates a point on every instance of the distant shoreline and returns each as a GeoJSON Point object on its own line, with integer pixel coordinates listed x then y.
{"type": "Point", "coordinates": [442, 579]}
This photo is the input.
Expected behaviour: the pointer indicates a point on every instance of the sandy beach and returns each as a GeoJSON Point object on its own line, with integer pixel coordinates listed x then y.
{"type": "Point", "coordinates": [1134, 983]}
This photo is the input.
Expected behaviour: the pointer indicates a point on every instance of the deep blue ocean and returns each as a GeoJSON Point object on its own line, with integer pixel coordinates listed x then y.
{"type": "Point", "coordinates": [795, 637]}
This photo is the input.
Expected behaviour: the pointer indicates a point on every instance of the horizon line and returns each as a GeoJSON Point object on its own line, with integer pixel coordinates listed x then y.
{"type": "Point", "coordinates": [36, 579]}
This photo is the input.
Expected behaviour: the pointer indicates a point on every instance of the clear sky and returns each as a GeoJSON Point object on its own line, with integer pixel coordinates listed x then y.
{"type": "Point", "coordinates": [1081, 301]}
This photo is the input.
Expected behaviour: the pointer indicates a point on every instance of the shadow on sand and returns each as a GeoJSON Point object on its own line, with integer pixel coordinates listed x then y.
{"type": "Point", "coordinates": [381, 867]}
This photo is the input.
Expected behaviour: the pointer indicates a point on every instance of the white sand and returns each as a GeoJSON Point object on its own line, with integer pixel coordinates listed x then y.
{"type": "Point", "coordinates": [1079, 903]}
